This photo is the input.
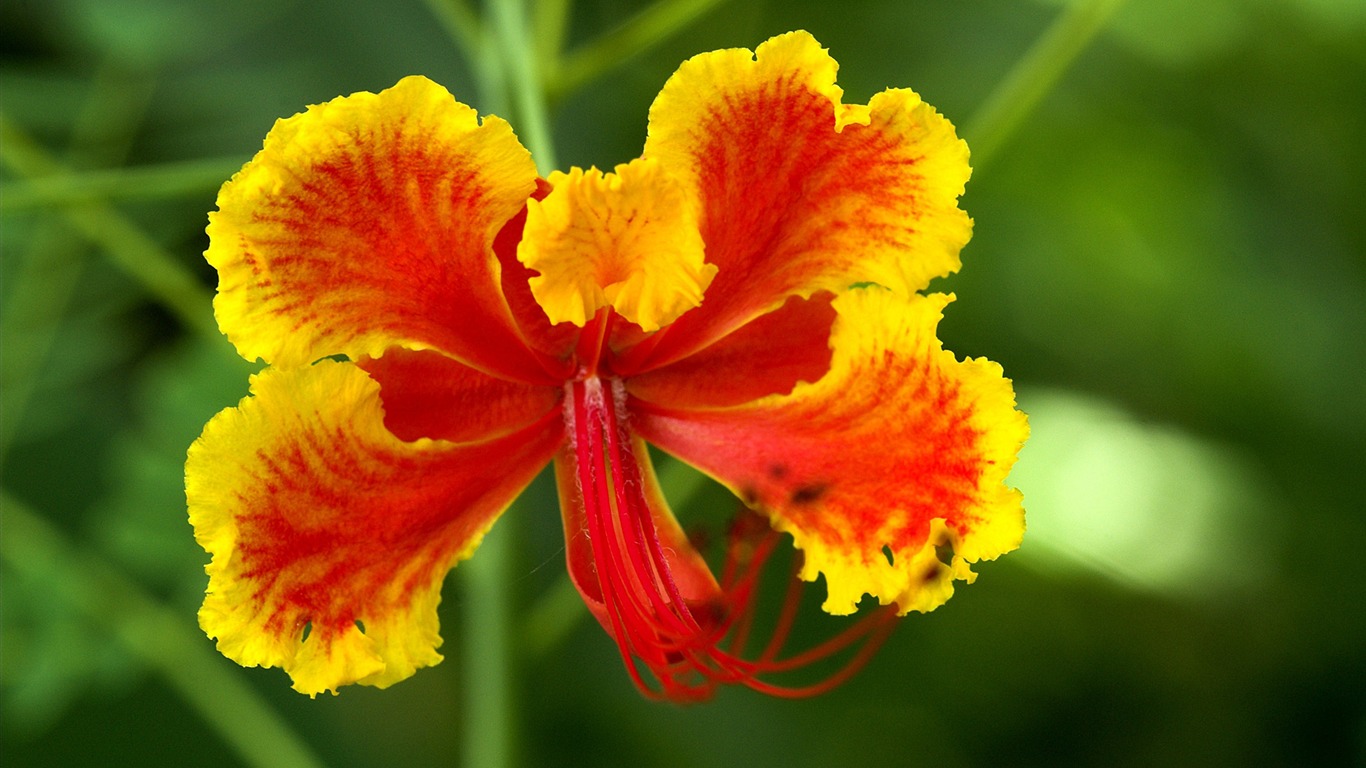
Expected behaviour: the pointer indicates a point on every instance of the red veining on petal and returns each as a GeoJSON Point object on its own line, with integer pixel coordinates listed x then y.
{"type": "Point", "coordinates": [688, 634]}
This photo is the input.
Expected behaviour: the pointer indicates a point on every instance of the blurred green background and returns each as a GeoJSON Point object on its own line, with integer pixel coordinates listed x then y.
{"type": "Point", "coordinates": [1169, 260]}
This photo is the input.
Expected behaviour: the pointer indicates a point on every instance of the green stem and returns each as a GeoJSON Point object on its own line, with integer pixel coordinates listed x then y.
{"type": "Point", "coordinates": [528, 97]}
{"type": "Point", "coordinates": [460, 23]}
{"type": "Point", "coordinates": [53, 260]}
{"type": "Point", "coordinates": [127, 245]}
{"type": "Point", "coordinates": [146, 183]}
{"type": "Point", "coordinates": [550, 619]}
{"type": "Point", "coordinates": [549, 22]}
{"type": "Point", "coordinates": [42, 287]}
{"type": "Point", "coordinates": [490, 709]}
{"type": "Point", "coordinates": [1034, 75]}
{"type": "Point", "coordinates": [159, 637]}
{"type": "Point", "coordinates": [637, 34]}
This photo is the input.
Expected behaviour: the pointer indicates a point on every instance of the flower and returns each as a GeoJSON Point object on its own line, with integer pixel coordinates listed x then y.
{"type": "Point", "coordinates": [439, 324]}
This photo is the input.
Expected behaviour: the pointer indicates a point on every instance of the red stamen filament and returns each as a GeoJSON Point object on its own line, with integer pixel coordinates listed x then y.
{"type": "Point", "coordinates": [680, 640]}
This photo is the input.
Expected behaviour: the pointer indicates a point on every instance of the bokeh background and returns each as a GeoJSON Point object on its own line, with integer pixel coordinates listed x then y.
{"type": "Point", "coordinates": [1169, 260]}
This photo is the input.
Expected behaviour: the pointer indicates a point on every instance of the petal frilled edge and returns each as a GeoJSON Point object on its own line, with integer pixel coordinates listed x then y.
{"type": "Point", "coordinates": [368, 222]}
{"type": "Point", "coordinates": [889, 472]}
{"type": "Point", "coordinates": [798, 192]}
{"type": "Point", "coordinates": [626, 240]}
{"type": "Point", "coordinates": [329, 536]}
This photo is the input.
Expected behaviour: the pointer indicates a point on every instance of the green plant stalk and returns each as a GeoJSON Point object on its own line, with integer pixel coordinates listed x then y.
{"type": "Point", "coordinates": [514, 42]}
{"type": "Point", "coordinates": [635, 35]}
{"type": "Point", "coordinates": [53, 260]}
{"type": "Point", "coordinates": [461, 23]}
{"type": "Point", "coordinates": [1034, 76]}
{"type": "Point", "coordinates": [158, 636]}
{"type": "Point", "coordinates": [145, 183]}
{"type": "Point", "coordinates": [549, 22]}
{"type": "Point", "coordinates": [490, 734]}
{"type": "Point", "coordinates": [549, 620]}
{"type": "Point", "coordinates": [41, 290]}
{"type": "Point", "coordinates": [127, 245]}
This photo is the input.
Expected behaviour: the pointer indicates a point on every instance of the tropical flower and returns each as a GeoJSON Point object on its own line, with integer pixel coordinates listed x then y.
{"type": "Point", "coordinates": [439, 324]}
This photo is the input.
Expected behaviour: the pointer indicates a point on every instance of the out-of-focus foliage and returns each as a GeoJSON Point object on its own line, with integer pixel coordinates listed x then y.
{"type": "Point", "coordinates": [1169, 259]}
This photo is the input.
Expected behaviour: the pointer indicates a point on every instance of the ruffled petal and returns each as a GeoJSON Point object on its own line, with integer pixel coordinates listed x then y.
{"type": "Point", "coordinates": [888, 472]}
{"type": "Point", "coordinates": [799, 193]}
{"type": "Point", "coordinates": [330, 537]}
{"type": "Point", "coordinates": [368, 222]}
{"type": "Point", "coordinates": [626, 240]}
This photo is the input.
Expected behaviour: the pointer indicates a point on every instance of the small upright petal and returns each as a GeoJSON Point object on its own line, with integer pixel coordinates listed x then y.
{"type": "Point", "coordinates": [331, 537]}
{"type": "Point", "coordinates": [888, 472]}
{"type": "Point", "coordinates": [368, 222]}
{"type": "Point", "coordinates": [799, 193]}
{"type": "Point", "coordinates": [626, 240]}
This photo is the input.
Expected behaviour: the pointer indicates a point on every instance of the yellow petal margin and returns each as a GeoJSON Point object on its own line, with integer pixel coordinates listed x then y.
{"type": "Point", "coordinates": [626, 240]}
{"type": "Point", "coordinates": [330, 537]}
{"type": "Point", "coordinates": [889, 472]}
{"type": "Point", "coordinates": [799, 192]}
{"type": "Point", "coordinates": [368, 222]}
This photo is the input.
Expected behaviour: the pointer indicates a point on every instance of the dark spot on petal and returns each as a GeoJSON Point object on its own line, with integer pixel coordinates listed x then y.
{"type": "Point", "coordinates": [777, 471]}
{"type": "Point", "coordinates": [931, 573]}
{"type": "Point", "coordinates": [307, 630]}
{"type": "Point", "coordinates": [809, 493]}
{"type": "Point", "coordinates": [750, 495]}
{"type": "Point", "coordinates": [887, 553]}
{"type": "Point", "coordinates": [360, 625]}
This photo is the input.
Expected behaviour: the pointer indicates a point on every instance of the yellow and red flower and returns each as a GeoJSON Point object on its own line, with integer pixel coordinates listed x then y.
{"type": "Point", "coordinates": [439, 323]}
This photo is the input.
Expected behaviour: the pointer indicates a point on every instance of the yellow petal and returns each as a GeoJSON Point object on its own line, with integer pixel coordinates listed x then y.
{"type": "Point", "coordinates": [331, 537]}
{"type": "Point", "coordinates": [368, 222]}
{"type": "Point", "coordinates": [799, 193]}
{"type": "Point", "coordinates": [626, 240]}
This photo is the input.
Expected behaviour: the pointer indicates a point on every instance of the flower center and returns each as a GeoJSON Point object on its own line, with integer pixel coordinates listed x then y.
{"type": "Point", "coordinates": [658, 599]}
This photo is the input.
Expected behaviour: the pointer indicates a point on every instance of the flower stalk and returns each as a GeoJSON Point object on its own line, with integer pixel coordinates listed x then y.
{"type": "Point", "coordinates": [1034, 75]}
{"type": "Point", "coordinates": [32, 548]}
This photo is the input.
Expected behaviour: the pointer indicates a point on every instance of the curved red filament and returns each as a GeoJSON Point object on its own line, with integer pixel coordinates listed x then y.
{"type": "Point", "coordinates": [689, 638]}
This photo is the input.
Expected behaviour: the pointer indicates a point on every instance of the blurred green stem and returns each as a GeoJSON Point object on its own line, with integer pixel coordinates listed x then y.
{"type": "Point", "coordinates": [635, 35]}
{"type": "Point", "coordinates": [130, 248]}
{"type": "Point", "coordinates": [53, 260]}
{"type": "Point", "coordinates": [160, 637]}
{"type": "Point", "coordinates": [549, 22]}
{"type": "Point", "coordinates": [490, 709]}
{"type": "Point", "coordinates": [1034, 75]}
{"type": "Point", "coordinates": [518, 49]}
{"type": "Point", "coordinates": [150, 182]}
{"type": "Point", "coordinates": [460, 22]}
{"type": "Point", "coordinates": [550, 619]}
